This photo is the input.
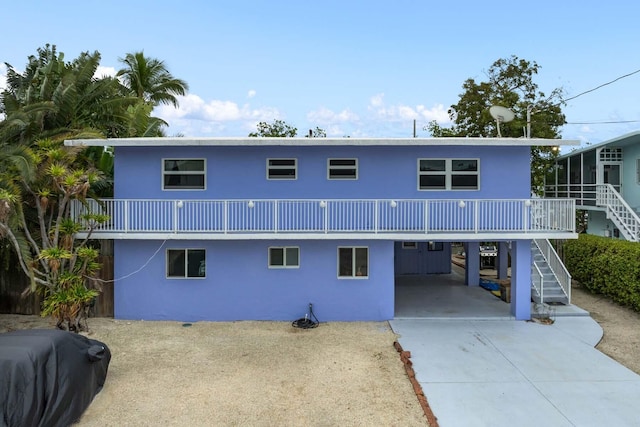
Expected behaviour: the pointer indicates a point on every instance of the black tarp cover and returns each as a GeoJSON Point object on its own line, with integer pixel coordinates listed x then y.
{"type": "Point", "coordinates": [49, 377]}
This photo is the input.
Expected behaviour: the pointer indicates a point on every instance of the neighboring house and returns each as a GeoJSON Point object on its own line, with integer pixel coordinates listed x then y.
{"type": "Point", "coordinates": [604, 179]}
{"type": "Point", "coordinates": [257, 228]}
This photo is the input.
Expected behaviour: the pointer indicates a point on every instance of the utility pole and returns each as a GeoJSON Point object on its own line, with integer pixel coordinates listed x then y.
{"type": "Point", "coordinates": [529, 110]}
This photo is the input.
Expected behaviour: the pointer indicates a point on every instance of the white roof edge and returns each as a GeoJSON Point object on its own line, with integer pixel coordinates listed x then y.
{"type": "Point", "coordinates": [248, 141]}
{"type": "Point", "coordinates": [616, 140]}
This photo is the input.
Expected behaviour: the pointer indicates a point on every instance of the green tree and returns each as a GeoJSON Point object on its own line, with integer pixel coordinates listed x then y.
{"type": "Point", "coordinates": [150, 80]}
{"type": "Point", "coordinates": [57, 99]}
{"type": "Point", "coordinates": [16, 164]}
{"type": "Point", "coordinates": [54, 100]}
{"type": "Point", "coordinates": [317, 133]}
{"type": "Point", "coordinates": [278, 128]}
{"type": "Point", "coordinates": [45, 238]}
{"type": "Point", "coordinates": [510, 83]}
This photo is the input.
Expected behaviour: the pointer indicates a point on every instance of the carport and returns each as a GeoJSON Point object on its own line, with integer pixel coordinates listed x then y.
{"type": "Point", "coordinates": [445, 296]}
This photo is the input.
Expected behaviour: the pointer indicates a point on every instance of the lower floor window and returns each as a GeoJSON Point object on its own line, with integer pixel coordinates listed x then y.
{"type": "Point", "coordinates": [284, 257]}
{"type": "Point", "coordinates": [353, 262]}
{"type": "Point", "coordinates": [186, 263]}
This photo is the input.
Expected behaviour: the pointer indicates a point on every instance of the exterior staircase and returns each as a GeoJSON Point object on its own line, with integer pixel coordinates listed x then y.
{"type": "Point", "coordinates": [550, 280]}
{"type": "Point", "coordinates": [619, 212]}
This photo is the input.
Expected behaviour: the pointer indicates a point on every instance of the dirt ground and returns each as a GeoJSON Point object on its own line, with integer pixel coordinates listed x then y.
{"type": "Point", "coordinates": [269, 373]}
{"type": "Point", "coordinates": [247, 373]}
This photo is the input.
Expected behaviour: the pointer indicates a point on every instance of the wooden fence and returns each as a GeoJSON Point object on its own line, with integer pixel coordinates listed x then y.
{"type": "Point", "coordinates": [13, 282]}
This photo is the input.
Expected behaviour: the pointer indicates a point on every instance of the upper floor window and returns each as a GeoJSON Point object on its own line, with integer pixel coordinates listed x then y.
{"type": "Point", "coordinates": [448, 174]}
{"type": "Point", "coordinates": [282, 168]}
{"type": "Point", "coordinates": [342, 168]}
{"type": "Point", "coordinates": [183, 174]}
{"type": "Point", "coordinates": [284, 257]}
{"type": "Point", "coordinates": [185, 263]}
{"type": "Point", "coordinates": [611, 154]}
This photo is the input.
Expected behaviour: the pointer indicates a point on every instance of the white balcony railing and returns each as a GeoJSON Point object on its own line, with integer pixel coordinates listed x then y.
{"type": "Point", "coordinates": [584, 194]}
{"type": "Point", "coordinates": [332, 216]}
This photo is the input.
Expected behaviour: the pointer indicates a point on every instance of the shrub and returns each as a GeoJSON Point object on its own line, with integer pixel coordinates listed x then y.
{"type": "Point", "coordinates": [606, 266]}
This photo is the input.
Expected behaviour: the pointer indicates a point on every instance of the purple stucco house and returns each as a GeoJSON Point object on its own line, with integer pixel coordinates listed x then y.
{"type": "Point", "coordinates": [229, 229]}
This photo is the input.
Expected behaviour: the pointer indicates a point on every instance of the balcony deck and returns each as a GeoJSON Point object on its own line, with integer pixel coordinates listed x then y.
{"type": "Point", "coordinates": [413, 219]}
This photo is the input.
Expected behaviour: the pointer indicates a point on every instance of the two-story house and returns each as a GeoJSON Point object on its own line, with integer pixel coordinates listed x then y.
{"type": "Point", "coordinates": [257, 228]}
{"type": "Point", "coordinates": [604, 179]}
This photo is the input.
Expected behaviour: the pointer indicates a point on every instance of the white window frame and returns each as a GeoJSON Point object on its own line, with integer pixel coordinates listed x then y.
{"type": "Point", "coordinates": [448, 173]}
{"type": "Point", "coordinates": [203, 173]}
{"type": "Point", "coordinates": [410, 245]}
{"type": "Point", "coordinates": [186, 263]}
{"type": "Point", "coordinates": [294, 167]}
{"type": "Point", "coordinates": [284, 257]}
{"type": "Point", "coordinates": [354, 267]}
{"type": "Point", "coordinates": [331, 168]}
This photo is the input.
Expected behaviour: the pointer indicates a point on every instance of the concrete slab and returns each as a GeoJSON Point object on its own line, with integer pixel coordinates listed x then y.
{"type": "Point", "coordinates": [445, 296]}
{"type": "Point", "coordinates": [588, 332]}
{"type": "Point", "coordinates": [599, 403]}
{"type": "Point", "coordinates": [491, 405]}
{"type": "Point", "coordinates": [507, 373]}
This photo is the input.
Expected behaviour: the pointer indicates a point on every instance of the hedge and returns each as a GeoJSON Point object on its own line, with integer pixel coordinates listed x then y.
{"type": "Point", "coordinates": [606, 266]}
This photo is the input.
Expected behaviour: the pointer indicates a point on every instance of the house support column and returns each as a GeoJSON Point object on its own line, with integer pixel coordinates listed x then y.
{"type": "Point", "coordinates": [521, 279]}
{"type": "Point", "coordinates": [502, 263]}
{"type": "Point", "coordinates": [472, 263]}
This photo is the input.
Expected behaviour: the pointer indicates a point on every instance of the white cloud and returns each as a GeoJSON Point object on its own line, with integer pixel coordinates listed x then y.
{"type": "Point", "coordinates": [102, 72]}
{"type": "Point", "coordinates": [377, 100]}
{"type": "Point", "coordinates": [438, 113]}
{"type": "Point", "coordinates": [217, 111]}
{"type": "Point", "coordinates": [325, 116]}
{"type": "Point", "coordinates": [400, 112]}
{"type": "Point", "coordinates": [195, 108]}
{"type": "Point", "coordinates": [197, 117]}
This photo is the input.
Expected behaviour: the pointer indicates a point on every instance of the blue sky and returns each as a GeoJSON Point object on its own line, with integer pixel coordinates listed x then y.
{"type": "Point", "coordinates": [357, 68]}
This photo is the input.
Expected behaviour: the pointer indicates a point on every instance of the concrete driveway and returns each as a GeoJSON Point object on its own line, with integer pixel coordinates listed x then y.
{"type": "Point", "coordinates": [496, 373]}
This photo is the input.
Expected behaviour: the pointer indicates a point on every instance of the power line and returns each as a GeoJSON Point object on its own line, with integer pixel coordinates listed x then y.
{"type": "Point", "coordinates": [602, 123]}
{"type": "Point", "coordinates": [602, 85]}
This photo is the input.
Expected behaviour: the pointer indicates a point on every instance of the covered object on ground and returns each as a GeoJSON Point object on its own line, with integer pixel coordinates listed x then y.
{"type": "Point", "coordinates": [49, 377]}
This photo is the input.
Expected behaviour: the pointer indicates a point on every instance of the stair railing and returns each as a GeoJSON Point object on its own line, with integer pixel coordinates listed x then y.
{"type": "Point", "coordinates": [537, 281]}
{"type": "Point", "coordinates": [619, 211]}
{"type": "Point", "coordinates": [556, 265]}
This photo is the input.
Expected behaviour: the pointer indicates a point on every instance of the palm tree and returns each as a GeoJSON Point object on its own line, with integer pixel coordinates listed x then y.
{"type": "Point", "coordinates": [149, 79]}
{"type": "Point", "coordinates": [51, 101]}
{"type": "Point", "coordinates": [54, 99]}
{"type": "Point", "coordinates": [17, 164]}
